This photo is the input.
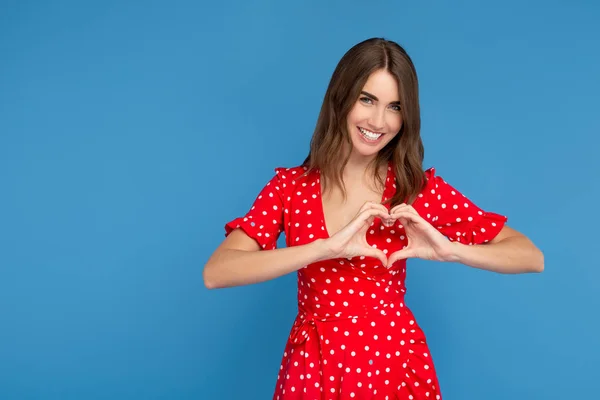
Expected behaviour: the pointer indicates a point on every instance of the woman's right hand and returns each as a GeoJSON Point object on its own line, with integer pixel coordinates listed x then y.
{"type": "Point", "coordinates": [351, 241]}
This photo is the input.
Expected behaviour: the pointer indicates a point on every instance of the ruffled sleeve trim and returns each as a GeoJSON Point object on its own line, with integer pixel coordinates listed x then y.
{"type": "Point", "coordinates": [264, 221]}
{"type": "Point", "coordinates": [455, 215]}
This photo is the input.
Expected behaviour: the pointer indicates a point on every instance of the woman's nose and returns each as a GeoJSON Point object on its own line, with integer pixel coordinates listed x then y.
{"type": "Point", "coordinates": [377, 120]}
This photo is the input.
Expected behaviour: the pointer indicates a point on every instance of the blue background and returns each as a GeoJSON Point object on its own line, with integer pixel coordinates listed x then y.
{"type": "Point", "coordinates": [130, 132]}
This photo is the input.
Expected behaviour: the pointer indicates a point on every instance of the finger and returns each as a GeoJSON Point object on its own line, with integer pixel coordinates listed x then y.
{"type": "Point", "coordinates": [404, 207]}
{"type": "Point", "coordinates": [387, 220]}
{"type": "Point", "coordinates": [370, 204]}
{"type": "Point", "coordinates": [407, 215]}
{"type": "Point", "coordinates": [411, 209]}
{"type": "Point", "coordinates": [376, 253]}
{"type": "Point", "coordinates": [398, 207]}
{"type": "Point", "coordinates": [401, 255]}
{"type": "Point", "coordinates": [369, 214]}
{"type": "Point", "coordinates": [358, 223]}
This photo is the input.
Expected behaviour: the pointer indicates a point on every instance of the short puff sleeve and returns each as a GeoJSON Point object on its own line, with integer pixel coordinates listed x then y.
{"type": "Point", "coordinates": [264, 221]}
{"type": "Point", "coordinates": [454, 215]}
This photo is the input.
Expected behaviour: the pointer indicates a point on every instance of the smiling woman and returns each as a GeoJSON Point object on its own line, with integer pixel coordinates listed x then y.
{"type": "Point", "coordinates": [375, 122]}
{"type": "Point", "coordinates": [353, 213]}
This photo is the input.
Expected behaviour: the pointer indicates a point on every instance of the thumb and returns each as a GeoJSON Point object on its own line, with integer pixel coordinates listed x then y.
{"type": "Point", "coordinates": [376, 253]}
{"type": "Point", "coordinates": [400, 255]}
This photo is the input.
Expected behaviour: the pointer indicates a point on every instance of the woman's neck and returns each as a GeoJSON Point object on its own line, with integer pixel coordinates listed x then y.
{"type": "Point", "coordinates": [361, 167]}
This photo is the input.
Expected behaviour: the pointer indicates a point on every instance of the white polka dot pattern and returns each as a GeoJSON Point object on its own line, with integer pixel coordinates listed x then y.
{"type": "Point", "coordinates": [454, 215]}
{"type": "Point", "coordinates": [354, 337]}
{"type": "Point", "coordinates": [264, 221]}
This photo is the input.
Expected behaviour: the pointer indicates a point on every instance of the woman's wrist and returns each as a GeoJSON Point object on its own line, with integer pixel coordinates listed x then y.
{"type": "Point", "coordinates": [322, 250]}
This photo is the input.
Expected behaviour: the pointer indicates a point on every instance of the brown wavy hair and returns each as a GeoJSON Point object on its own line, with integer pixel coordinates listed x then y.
{"type": "Point", "coordinates": [405, 150]}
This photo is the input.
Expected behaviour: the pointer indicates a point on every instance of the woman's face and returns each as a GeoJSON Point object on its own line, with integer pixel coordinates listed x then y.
{"type": "Point", "coordinates": [376, 117]}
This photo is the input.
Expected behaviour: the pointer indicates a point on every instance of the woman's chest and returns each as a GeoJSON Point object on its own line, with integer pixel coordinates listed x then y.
{"type": "Point", "coordinates": [339, 211]}
{"type": "Point", "coordinates": [310, 216]}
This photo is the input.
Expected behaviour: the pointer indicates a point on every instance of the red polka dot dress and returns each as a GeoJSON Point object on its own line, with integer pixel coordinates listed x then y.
{"type": "Point", "coordinates": [354, 337]}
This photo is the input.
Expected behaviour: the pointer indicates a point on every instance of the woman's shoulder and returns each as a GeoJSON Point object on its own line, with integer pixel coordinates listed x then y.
{"type": "Point", "coordinates": [295, 174]}
{"type": "Point", "coordinates": [291, 171]}
{"type": "Point", "coordinates": [430, 173]}
{"type": "Point", "coordinates": [430, 179]}
{"type": "Point", "coordinates": [433, 184]}
{"type": "Point", "coordinates": [437, 188]}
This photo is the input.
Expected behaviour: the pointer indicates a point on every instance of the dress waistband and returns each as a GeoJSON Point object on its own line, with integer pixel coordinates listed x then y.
{"type": "Point", "coordinates": [307, 322]}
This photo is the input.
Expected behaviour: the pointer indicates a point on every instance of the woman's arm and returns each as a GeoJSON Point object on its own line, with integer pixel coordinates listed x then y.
{"type": "Point", "coordinates": [477, 238]}
{"type": "Point", "coordinates": [510, 252]}
{"type": "Point", "coordinates": [239, 260]}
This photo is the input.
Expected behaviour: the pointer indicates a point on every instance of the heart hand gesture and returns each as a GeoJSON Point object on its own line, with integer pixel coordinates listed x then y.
{"type": "Point", "coordinates": [351, 240]}
{"type": "Point", "coordinates": [424, 241]}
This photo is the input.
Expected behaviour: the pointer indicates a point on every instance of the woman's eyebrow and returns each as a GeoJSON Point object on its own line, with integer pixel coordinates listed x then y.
{"type": "Point", "coordinates": [375, 97]}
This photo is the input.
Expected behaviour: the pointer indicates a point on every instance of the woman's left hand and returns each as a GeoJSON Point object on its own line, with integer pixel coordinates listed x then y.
{"type": "Point", "coordinates": [424, 241]}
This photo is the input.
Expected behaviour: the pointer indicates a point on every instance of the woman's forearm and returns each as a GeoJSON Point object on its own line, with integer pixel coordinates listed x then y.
{"type": "Point", "coordinates": [231, 267]}
{"type": "Point", "coordinates": [512, 255]}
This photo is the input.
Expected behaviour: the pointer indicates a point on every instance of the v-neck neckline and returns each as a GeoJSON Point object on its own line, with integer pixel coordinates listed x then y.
{"type": "Point", "coordinates": [388, 186]}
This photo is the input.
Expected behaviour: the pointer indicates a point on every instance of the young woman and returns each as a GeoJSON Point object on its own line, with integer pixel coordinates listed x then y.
{"type": "Point", "coordinates": [357, 208]}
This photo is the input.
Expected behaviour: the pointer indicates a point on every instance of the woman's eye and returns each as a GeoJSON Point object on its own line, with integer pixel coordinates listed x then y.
{"type": "Point", "coordinates": [366, 100]}
{"type": "Point", "coordinates": [396, 107]}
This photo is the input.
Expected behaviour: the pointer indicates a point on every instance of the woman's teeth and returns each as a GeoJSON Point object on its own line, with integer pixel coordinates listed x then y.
{"type": "Point", "coordinates": [370, 135]}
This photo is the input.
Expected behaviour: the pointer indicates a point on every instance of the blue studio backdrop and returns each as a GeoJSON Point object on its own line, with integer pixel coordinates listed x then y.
{"type": "Point", "coordinates": [131, 131]}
